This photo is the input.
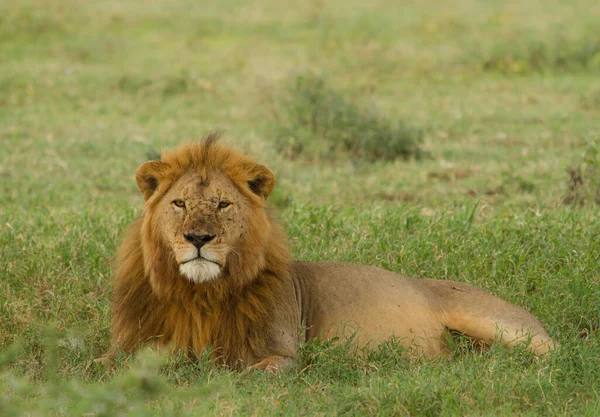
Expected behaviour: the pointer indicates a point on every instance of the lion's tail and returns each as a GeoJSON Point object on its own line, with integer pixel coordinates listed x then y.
{"type": "Point", "coordinates": [482, 316]}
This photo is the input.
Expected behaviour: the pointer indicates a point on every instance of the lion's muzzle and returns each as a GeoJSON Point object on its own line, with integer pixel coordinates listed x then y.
{"type": "Point", "coordinates": [200, 269]}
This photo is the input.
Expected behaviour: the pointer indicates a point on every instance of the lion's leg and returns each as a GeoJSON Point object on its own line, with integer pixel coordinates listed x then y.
{"type": "Point", "coordinates": [482, 316]}
{"type": "Point", "coordinates": [272, 364]}
{"type": "Point", "coordinates": [108, 359]}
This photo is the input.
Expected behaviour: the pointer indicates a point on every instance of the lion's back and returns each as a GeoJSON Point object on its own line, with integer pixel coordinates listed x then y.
{"type": "Point", "coordinates": [379, 302]}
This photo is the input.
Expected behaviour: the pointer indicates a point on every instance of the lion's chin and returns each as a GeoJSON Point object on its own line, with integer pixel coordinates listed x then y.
{"type": "Point", "coordinates": [200, 270]}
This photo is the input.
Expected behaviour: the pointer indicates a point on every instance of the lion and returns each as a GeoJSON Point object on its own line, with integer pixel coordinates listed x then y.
{"type": "Point", "coordinates": [207, 265]}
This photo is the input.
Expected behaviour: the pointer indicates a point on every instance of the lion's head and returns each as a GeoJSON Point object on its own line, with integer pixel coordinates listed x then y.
{"type": "Point", "coordinates": [205, 217]}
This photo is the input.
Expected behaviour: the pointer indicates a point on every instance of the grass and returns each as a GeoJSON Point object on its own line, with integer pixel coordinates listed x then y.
{"type": "Point", "coordinates": [89, 90]}
{"type": "Point", "coordinates": [556, 53]}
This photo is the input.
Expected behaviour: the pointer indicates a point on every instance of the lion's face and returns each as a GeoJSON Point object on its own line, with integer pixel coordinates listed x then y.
{"type": "Point", "coordinates": [202, 222]}
{"type": "Point", "coordinates": [205, 216]}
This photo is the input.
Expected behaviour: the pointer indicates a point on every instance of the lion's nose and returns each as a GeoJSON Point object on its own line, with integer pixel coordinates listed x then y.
{"type": "Point", "coordinates": [198, 240]}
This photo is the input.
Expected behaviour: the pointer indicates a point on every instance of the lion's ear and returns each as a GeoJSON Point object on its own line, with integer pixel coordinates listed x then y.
{"type": "Point", "coordinates": [262, 181]}
{"type": "Point", "coordinates": [147, 177]}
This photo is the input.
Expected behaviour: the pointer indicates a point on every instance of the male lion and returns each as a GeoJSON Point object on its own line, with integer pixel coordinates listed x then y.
{"type": "Point", "coordinates": [208, 265]}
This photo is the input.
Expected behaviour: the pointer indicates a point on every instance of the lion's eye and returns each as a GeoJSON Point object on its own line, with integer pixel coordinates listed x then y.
{"type": "Point", "coordinates": [179, 203]}
{"type": "Point", "coordinates": [224, 204]}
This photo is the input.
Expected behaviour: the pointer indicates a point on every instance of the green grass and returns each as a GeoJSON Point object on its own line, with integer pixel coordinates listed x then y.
{"type": "Point", "coordinates": [556, 53]}
{"type": "Point", "coordinates": [506, 96]}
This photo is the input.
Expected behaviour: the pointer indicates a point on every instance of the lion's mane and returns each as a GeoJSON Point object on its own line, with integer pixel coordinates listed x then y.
{"type": "Point", "coordinates": [153, 302]}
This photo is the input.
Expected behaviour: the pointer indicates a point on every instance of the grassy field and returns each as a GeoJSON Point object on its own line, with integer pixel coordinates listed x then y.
{"type": "Point", "coordinates": [493, 112]}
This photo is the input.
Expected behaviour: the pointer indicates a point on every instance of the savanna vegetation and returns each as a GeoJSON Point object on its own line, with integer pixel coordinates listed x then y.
{"type": "Point", "coordinates": [452, 140]}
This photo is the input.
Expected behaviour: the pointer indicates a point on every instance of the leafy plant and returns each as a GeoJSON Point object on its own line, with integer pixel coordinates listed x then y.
{"type": "Point", "coordinates": [583, 183]}
{"type": "Point", "coordinates": [314, 120]}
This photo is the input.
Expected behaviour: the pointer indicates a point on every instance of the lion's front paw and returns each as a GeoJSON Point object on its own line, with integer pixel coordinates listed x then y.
{"type": "Point", "coordinates": [272, 364]}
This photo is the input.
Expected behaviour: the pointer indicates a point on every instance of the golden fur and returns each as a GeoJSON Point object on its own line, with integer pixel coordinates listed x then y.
{"type": "Point", "coordinates": [239, 291]}
{"type": "Point", "coordinates": [153, 302]}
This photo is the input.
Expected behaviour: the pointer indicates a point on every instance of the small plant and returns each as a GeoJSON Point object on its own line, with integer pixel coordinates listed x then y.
{"type": "Point", "coordinates": [583, 184]}
{"type": "Point", "coordinates": [314, 120]}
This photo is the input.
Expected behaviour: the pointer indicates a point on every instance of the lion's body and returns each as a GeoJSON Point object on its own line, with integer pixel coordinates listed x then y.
{"type": "Point", "coordinates": [208, 266]}
{"type": "Point", "coordinates": [419, 312]}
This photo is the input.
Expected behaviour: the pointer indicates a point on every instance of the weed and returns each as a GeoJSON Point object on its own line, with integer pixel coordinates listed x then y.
{"type": "Point", "coordinates": [583, 182]}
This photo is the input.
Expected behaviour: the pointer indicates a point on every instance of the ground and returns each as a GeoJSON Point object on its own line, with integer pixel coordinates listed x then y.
{"type": "Point", "coordinates": [506, 96]}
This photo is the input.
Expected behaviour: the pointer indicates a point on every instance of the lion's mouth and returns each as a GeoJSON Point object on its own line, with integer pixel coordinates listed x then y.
{"type": "Point", "coordinates": [201, 258]}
